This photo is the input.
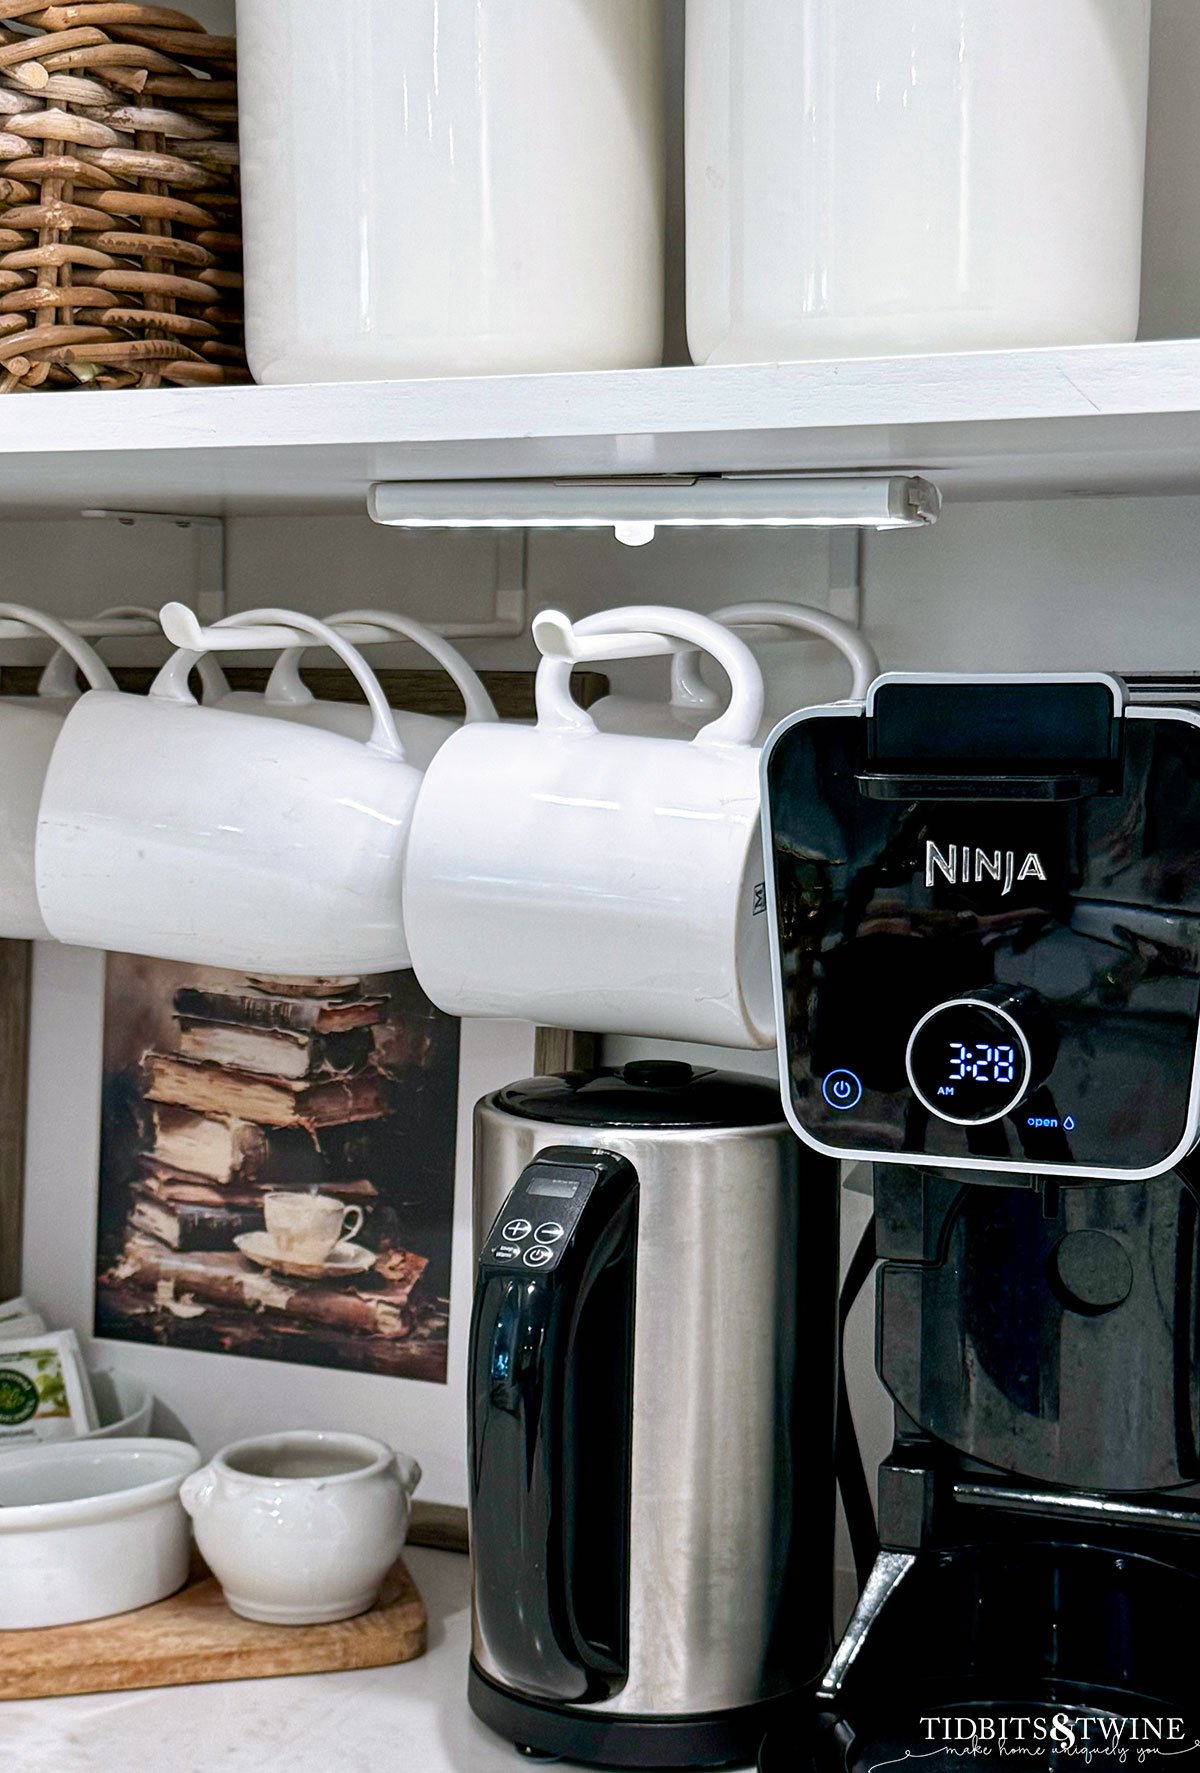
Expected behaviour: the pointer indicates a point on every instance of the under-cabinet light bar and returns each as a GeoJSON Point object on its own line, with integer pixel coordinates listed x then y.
{"type": "Point", "coordinates": [634, 508]}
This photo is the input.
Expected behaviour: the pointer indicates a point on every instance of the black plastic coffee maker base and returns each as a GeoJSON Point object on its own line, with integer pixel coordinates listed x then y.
{"type": "Point", "coordinates": [1051, 1656]}
{"type": "Point", "coordinates": [605, 1739]}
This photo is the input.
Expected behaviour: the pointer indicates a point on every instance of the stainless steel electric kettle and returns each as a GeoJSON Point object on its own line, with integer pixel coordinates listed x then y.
{"type": "Point", "coordinates": [652, 1392]}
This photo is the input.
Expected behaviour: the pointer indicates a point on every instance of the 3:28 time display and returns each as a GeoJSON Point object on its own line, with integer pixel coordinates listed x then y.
{"type": "Point", "coordinates": [967, 1063]}
{"type": "Point", "coordinates": [981, 1063]}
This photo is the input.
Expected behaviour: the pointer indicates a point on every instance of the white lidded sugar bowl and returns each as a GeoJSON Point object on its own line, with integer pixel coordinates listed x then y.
{"type": "Point", "coordinates": [301, 1527]}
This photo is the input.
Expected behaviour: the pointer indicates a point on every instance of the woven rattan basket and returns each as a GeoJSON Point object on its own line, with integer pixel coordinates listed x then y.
{"type": "Point", "coordinates": [120, 230]}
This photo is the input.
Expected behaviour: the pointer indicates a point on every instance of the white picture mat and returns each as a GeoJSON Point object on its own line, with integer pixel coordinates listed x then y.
{"type": "Point", "coordinates": [220, 1398]}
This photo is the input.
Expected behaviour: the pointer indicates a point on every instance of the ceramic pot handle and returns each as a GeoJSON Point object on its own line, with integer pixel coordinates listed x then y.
{"type": "Point", "coordinates": [558, 710]}
{"type": "Point", "coordinates": [197, 1490]}
{"type": "Point", "coordinates": [286, 688]}
{"type": "Point", "coordinates": [689, 690]}
{"type": "Point", "coordinates": [267, 629]}
{"type": "Point", "coordinates": [409, 1473]}
{"type": "Point", "coordinates": [88, 660]}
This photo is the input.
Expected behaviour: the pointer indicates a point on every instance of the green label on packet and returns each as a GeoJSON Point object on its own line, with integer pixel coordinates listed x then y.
{"type": "Point", "coordinates": [19, 1397]}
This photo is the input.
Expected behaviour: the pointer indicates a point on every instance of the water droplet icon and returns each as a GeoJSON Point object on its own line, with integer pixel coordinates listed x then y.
{"type": "Point", "coordinates": [1069, 1124]}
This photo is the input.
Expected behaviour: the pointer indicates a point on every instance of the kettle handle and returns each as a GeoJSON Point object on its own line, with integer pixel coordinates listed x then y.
{"type": "Point", "coordinates": [550, 1432]}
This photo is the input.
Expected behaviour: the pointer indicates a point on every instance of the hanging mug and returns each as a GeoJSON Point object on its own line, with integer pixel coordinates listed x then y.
{"type": "Point", "coordinates": [29, 729]}
{"type": "Point", "coordinates": [206, 835]}
{"type": "Point", "coordinates": [288, 697]}
{"type": "Point", "coordinates": [562, 875]}
{"type": "Point", "coordinates": [693, 700]}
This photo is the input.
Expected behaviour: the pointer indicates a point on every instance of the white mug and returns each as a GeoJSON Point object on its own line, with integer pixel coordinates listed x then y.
{"type": "Point", "coordinates": [301, 1528]}
{"type": "Point", "coordinates": [308, 1226]}
{"type": "Point", "coordinates": [60, 682]}
{"type": "Point", "coordinates": [29, 730]}
{"type": "Point", "coordinates": [288, 697]}
{"type": "Point", "coordinates": [693, 701]}
{"type": "Point", "coordinates": [204, 835]}
{"type": "Point", "coordinates": [561, 875]}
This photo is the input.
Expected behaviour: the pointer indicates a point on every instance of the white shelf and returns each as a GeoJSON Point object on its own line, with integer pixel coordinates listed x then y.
{"type": "Point", "coordinates": [991, 424]}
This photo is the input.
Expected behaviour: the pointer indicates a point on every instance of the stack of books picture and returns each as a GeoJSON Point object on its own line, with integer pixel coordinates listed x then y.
{"type": "Point", "coordinates": [263, 1197]}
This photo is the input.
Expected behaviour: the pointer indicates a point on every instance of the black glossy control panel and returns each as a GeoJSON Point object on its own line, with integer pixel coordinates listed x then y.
{"type": "Point", "coordinates": [535, 1224]}
{"type": "Point", "coordinates": [1066, 887]}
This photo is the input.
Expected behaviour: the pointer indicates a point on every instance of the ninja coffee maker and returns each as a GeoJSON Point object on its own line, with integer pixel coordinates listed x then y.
{"type": "Point", "coordinates": [651, 1405]}
{"type": "Point", "coordinates": [986, 904]}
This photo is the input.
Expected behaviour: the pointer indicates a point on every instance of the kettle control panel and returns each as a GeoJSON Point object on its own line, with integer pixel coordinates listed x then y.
{"type": "Point", "coordinates": [534, 1226]}
{"type": "Point", "coordinates": [985, 903]}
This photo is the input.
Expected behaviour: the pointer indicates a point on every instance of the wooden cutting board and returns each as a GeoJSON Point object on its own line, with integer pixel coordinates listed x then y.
{"type": "Point", "coordinates": [193, 1636]}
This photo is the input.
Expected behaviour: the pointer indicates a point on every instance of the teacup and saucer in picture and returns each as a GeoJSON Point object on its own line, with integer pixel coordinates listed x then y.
{"type": "Point", "coordinates": [309, 1236]}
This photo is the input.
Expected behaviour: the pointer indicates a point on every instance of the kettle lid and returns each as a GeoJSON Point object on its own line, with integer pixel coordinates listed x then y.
{"type": "Point", "coordinates": [667, 1093]}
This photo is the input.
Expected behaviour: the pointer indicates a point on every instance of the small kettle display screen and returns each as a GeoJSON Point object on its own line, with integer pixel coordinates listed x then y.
{"type": "Point", "coordinates": [556, 1189]}
{"type": "Point", "coordinates": [968, 1063]}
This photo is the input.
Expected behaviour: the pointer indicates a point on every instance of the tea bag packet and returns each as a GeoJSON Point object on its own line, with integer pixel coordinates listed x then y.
{"type": "Point", "coordinates": [18, 1318]}
{"type": "Point", "coordinates": [44, 1388]}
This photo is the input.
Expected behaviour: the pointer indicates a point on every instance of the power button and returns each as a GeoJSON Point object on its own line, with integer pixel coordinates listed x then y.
{"type": "Point", "coordinates": [841, 1089]}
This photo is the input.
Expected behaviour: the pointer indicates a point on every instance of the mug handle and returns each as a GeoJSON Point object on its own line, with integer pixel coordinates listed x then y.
{"type": "Point", "coordinates": [181, 625]}
{"type": "Point", "coordinates": [689, 690]}
{"type": "Point", "coordinates": [95, 671]}
{"type": "Point", "coordinates": [58, 679]}
{"type": "Point", "coordinates": [286, 688]}
{"type": "Point", "coordinates": [348, 1213]}
{"type": "Point", "coordinates": [558, 710]}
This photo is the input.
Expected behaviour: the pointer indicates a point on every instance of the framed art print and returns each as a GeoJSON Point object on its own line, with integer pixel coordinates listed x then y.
{"type": "Point", "coordinates": [326, 1106]}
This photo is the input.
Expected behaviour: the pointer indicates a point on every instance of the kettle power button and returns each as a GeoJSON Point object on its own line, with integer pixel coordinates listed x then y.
{"type": "Point", "coordinates": [841, 1089]}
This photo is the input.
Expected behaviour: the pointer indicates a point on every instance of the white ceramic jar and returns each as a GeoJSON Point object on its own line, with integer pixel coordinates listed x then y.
{"type": "Point", "coordinates": [912, 175]}
{"type": "Point", "coordinates": [450, 190]}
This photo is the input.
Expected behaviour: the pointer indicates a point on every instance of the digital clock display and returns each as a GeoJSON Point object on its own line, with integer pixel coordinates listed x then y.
{"type": "Point", "coordinates": [981, 1063]}
{"type": "Point", "coordinates": [968, 1063]}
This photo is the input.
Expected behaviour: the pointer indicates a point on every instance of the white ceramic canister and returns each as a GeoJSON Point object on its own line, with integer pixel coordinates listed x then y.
{"type": "Point", "coordinates": [301, 1528]}
{"type": "Point", "coordinates": [892, 176]}
{"type": "Point", "coordinates": [450, 190]}
{"type": "Point", "coordinates": [288, 697]}
{"type": "Point", "coordinates": [581, 879]}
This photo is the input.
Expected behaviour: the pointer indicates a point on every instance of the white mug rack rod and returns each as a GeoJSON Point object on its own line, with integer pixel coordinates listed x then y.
{"type": "Point", "coordinates": [554, 633]}
{"type": "Point", "coordinates": [509, 598]}
{"type": "Point", "coordinates": [93, 628]}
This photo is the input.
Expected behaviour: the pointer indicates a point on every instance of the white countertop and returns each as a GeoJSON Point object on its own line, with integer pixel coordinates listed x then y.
{"type": "Point", "coordinates": [413, 1718]}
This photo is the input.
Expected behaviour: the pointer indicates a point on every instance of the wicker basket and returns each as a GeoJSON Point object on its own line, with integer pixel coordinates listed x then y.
{"type": "Point", "coordinates": [120, 225]}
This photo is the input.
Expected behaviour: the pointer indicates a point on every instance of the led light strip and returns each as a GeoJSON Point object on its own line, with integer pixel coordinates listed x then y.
{"type": "Point", "coordinates": [635, 508]}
